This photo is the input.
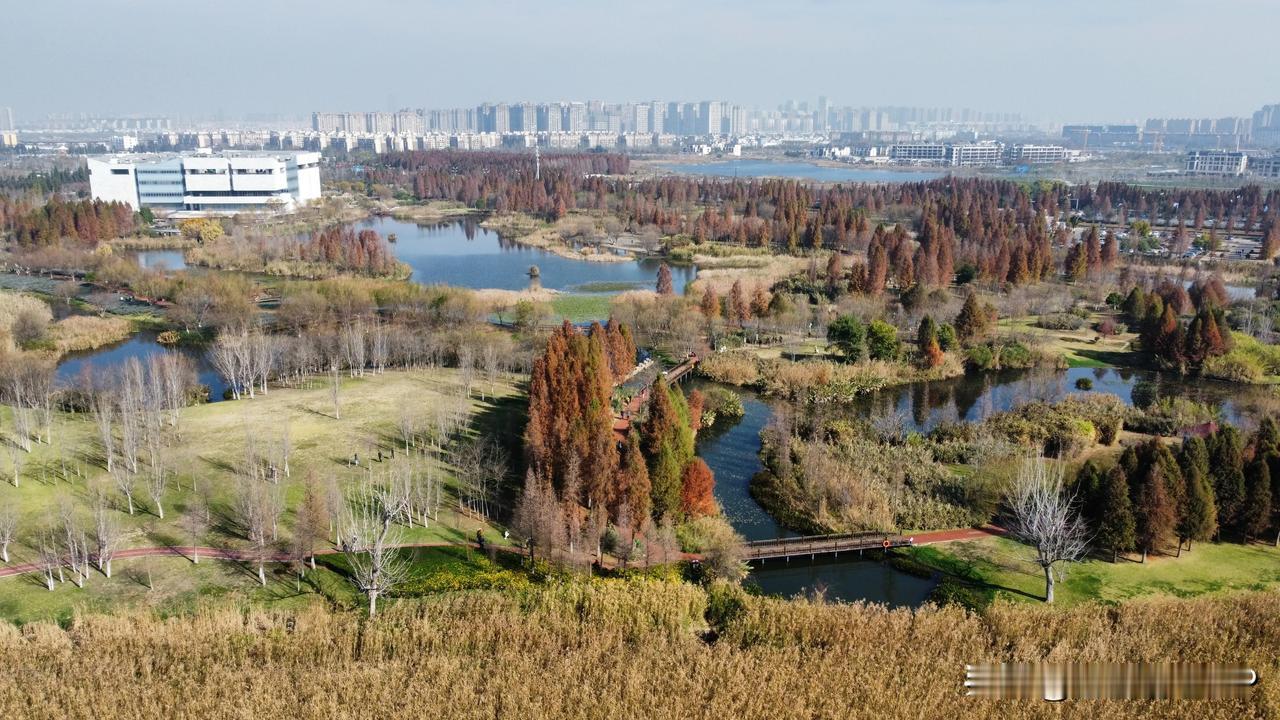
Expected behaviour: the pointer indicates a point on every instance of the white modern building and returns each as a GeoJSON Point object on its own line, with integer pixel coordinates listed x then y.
{"type": "Point", "coordinates": [1216, 162]}
{"type": "Point", "coordinates": [223, 183]}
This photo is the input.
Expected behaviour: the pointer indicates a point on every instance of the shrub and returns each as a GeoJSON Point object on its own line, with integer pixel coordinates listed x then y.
{"type": "Point", "coordinates": [1084, 383]}
{"type": "Point", "coordinates": [1060, 321]}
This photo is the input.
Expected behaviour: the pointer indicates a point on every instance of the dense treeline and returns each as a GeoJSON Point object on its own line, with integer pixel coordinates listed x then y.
{"type": "Point", "coordinates": [582, 477]}
{"type": "Point", "coordinates": [43, 183]}
{"type": "Point", "coordinates": [1168, 340]}
{"type": "Point", "coordinates": [85, 220]}
{"type": "Point", "coordinates": [994, 230]}
{"type": "Point", "coordinates": [1216, 486]}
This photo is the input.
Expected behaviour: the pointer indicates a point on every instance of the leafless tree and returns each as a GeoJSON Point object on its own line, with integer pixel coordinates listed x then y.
{"type": "Point", "coordinates": [407, 421]}
{"type": "Point", "coordinates": [264, 353]}
{"type": "Point", "coordinates": [1043, 515]}
{"type": "Point", "coordinates": [50, 560]}
{"type": "Point", "coordinates": [335, 387]}
{"type": "Point", "coordinates": [102, 408]}
{"type": "Point", "coordinates": [125, 483]}
{"type": "Point", "coordinates": [353, 348]}
{"type": "Point", "coordinates": [17, 458]}
{"type": "Point", "coordinates": [481, 465]}
{"type": "Point", "coordinates": [196, 523]}
{"type": "Point", "coordinates": [106, 533]}
{"type": "Point", "coordinates": [466, 369]}
{"type": "Point", "coordinates": [258, 512]}
{"type": "Point", "coordinates": [227, 355]}
{"type": "Point", "coordinates": [172, 376]}
{"type": "Point", "coordinates": [131, 404]}
{"type": "Point", "coordinates": [378, 347]}
{"type": "Point", "coordinates": [371, 539]}
{"type": "Point", "coordinates": [75, 543]}
{"type": "Point", "coordinates": [8, 530]}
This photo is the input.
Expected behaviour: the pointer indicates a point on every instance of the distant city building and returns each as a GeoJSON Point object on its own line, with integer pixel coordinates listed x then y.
{"type": "Point", "coordinates": [1101, 136]}
{"type": "Point", "coordinates": [1216, 162]}
{"type": "Point", "coordinates": [6, 119]}
{"type": "Point", "coordinates": [1265, 167]}
{"type": "Point", "coordinates": [1265, 126]}
{"type": "Point", "coordinates": [975, 155]}
{"type": "Point", "coordinates": [207, 182]}
{"type": "Point", "coordinates": [919, 152]}
{"type": "Point", "coordinates": [1040, 154]}
{"type": "Point", "coordinates": [8, 139]}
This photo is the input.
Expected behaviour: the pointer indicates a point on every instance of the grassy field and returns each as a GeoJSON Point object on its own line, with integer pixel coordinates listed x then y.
{"type": "Point", "coordinates": [212, 445]}
{"type": "Point", "coordinates": [170, 585]}
{"type": "Point", "coordinates": [1080, 348]}
{"type": "Point", "coordinates": [580, 308]}
{"type": "Point", "coordinates": [1002, 568]}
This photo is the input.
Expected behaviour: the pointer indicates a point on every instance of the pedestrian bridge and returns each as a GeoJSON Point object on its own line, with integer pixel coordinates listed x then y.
{"type": "Point", "coordinates": [814, 545]}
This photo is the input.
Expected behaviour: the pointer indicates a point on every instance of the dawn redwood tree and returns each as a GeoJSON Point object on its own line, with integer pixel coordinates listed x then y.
{"type": "Point", "coordinates": [710, 304]}
{"type": "Point", "coordinates": [1154, 512]}
{"type": "Point", "coordinates": [1116, 529]}
{"type": "Point", "coordinates": [1255, 514]}
{"type": "Point", "coordinates": [974, 321]}
{"type": "Point", "coordinates": [697, 489]}
{"type": "Point", "coordinates": [637, 488]}
{"type": "Point", "coordinates": [1198, 518]}
{"type": "Point", "coordinates": [664, 284]}
{"type": "Point", "coordinates": [927, 343]}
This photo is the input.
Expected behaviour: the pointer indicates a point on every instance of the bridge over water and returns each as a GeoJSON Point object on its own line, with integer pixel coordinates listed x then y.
{"type": "Point", "coordinates": [814, 545]}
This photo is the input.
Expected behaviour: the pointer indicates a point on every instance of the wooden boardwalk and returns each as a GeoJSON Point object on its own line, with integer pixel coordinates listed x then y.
{"type": "Point", "coordinates": [814, 545]}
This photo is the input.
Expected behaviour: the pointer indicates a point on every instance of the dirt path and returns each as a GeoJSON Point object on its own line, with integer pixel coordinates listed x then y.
{"type": "Point", "coordinates": [942, 536]}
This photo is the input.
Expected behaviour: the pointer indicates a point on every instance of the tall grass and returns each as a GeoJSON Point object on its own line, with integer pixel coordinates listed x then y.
{"type": "Point", "coordinates": [613, 649]}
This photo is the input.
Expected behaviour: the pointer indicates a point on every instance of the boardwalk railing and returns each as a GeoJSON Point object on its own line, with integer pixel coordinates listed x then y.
{"type": "Point", "coordinates": [813, 545]}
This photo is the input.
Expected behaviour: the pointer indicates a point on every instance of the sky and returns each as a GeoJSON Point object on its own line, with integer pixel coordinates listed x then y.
{"type": "Point", "coordinates": [1085, 60]}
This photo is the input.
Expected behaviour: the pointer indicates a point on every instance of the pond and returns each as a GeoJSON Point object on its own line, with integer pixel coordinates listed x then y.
{"type": "Point", "coordinates": [800, 170]}
{"type": "Point", "coordinates": [921, 407]}
{"type": "Point", "coordinates": [142, 346]}
{"type": "Point", "coordinates": [463, 254]}
{"type": "Point", "coordinates": [731, 450]}
{"type": "Point", "coordinates": [161, 259]}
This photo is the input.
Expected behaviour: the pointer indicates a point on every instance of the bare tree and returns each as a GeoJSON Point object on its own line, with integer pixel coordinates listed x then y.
{"type": "Point", "coordinates": [74, 542]}
{"type": "Point", "coordinates": [481, 465]}
{"type": "Point", "coordinates": [196, 523]}
{"type": "Point", "coordinates": [257, 513]}
{"type": "Point", "coordinates": [125, 483]}
{"type": "Point", "coordinates": [335, 386]}
{"type": "Point", "coordinates": [102, 408]}
{"type": "Point", "coordinates": [1043, 515]}
{"type": "Point", "coordinates": [227, 356]}
{"type": "Point", "coordinates": [8, 530]}
{"type": "Point", "coordinates": [378, 347]}
{"type": "Point", "coordinates": [106, 533]}
{"type": "Point", "coordinates": [50, 560]}
{"type": "Point", "coordinates": [353, 348]}
{"type": "Point", "coordinates": [370, 539]}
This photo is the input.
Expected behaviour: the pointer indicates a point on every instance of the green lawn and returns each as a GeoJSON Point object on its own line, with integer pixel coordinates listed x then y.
{"type": "Point", "coordinates": [581, 308]}
{"type": "Point", "coordinates": [1000, 567]}
{"type": "Point", "coordinates": [213, 445]}
{"type": "Point", "coordinates": [173, 585]}
{"type": "Point", "coordinates": [1079, 348]}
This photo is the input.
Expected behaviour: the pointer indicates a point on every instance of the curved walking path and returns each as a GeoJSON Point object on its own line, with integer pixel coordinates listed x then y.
{"type": "Point", "coordinates": [211, 553]}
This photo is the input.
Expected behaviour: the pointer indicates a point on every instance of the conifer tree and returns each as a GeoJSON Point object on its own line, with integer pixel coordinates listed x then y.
{"type": "Point", "coordinates": [1115, 526]}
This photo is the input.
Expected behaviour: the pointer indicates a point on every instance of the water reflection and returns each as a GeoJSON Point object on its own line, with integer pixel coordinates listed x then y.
{"type": "Point", "coordinates": [463, 253]}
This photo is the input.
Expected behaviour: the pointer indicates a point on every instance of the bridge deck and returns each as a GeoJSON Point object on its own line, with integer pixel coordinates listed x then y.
{"type": "Point", "coordinates": [822, 545]}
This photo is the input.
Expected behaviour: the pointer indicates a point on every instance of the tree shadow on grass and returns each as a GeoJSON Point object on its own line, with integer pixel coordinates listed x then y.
{"type": "Point", "coordinates": [965, 573]}
{"type": "Point", "coordinates": [503, 419]}
{"type": "Point", "coordinates": [1117, 358]}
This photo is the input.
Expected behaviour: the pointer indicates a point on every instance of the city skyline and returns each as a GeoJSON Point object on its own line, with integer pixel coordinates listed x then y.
{"type": "Point", "coordinates": [923, 54]}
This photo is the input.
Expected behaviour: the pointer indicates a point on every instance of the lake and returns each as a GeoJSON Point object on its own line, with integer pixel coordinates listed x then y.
{"type": "Point", "coordinates": [464, 254]}
{"type": "Point", "coordinates": [141, 345]}
{"type": "Point", "coordinates": [799, 171]}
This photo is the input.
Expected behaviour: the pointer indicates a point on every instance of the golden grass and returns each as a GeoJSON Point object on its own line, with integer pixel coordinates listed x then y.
{"type": "Point", "coordinates": [613, 649]}
{"type": "Point", "coordinates": [86, 332]}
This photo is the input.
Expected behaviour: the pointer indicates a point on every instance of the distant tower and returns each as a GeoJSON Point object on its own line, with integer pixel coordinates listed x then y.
{"type": "Point", "coordinates": [537, 162]}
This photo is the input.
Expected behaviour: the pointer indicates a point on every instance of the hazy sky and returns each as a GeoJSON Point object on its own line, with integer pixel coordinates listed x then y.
{"type": "Point", "coordinates": [1067, 61]}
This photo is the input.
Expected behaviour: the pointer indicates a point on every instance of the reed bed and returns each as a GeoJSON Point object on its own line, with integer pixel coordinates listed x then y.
{"type": "Point", "coordinates": [635, 649]}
